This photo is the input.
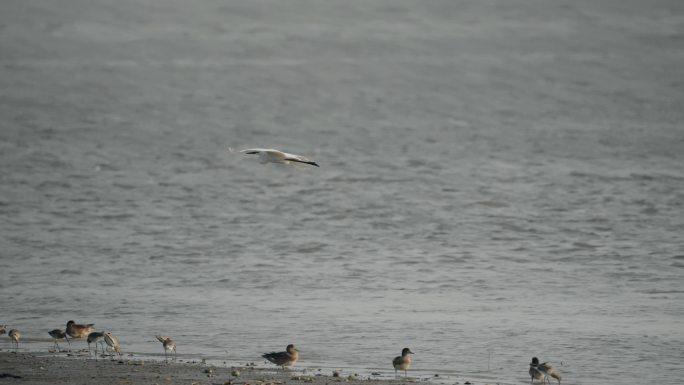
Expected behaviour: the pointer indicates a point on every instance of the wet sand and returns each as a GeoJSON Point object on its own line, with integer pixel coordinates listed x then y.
{"type": "Point", "coordinates": [36, 369]}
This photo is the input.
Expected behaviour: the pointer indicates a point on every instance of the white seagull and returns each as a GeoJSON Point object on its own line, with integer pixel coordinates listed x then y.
{"type": "Point", "coordinates": [269, 155]}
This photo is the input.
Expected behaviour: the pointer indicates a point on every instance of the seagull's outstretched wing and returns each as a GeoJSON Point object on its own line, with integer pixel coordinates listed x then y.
{"type": "Point", "coordinates": [257, 150]}
{"type": "Point", "coordinates": [269, 155]}
{"type": "Point", "coordinates": [298, 158]}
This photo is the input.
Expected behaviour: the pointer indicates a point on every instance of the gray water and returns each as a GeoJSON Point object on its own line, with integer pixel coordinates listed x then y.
{"type": "Point", "coordinates": [499, 180]}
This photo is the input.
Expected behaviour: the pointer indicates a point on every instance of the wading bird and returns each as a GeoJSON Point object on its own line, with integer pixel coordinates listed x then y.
{"type": "Point", "coordinates": [543, 371]}
{"type": "Point", "coordinates": [113, 342]}
{"type": "Point", "coordinates": [58, 335]}
{"type": "Point", "coordinates": [95, 337]}
{"type": "Point", "coordinates": [402, 362]}
{"type": "Point", "coordinates": [168, 344]}
{"type": "Point", "coordinates": [15, 336]}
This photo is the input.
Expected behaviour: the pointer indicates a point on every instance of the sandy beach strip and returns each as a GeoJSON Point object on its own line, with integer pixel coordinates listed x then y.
{"type": "Point", "coordinates": [38, 369]}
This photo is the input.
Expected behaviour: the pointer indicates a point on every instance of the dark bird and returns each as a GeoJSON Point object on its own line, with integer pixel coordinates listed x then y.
{"type": "Point", "coordinates": [95, 337]}
{"type": "Point", "coordinates": [58, 335]}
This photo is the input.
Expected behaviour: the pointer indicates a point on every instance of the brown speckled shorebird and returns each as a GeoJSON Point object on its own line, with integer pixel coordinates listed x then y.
{"type": "Point", "coordinates": [3, 329]}
{"type": "Point", "coordinates": [168, 344]}
{"type": "Point", "coordinates": [78, 331]}
{"type": "Point", "coordinates": [113, 342]}
{"type": "Point", "coordinates": [15, 336]}
{"type": "Point", "coordinates": [283, 359]}
{"type": "Point", "coordinates": [402, 362]}
{"type": "Point", "coordinates": [543, 371]}
{"type": "Point", "coordinates": [58, 335]}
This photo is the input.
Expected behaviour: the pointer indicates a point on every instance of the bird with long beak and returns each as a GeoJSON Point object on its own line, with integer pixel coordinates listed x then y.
{"type": "Point", "coordinates": [113, 342]}
{"type": "Point", "coordinates": [15, 336]}
{"type": "Point", "coordinates": [95, 337]}
{"type": "Point", "coordinates": [58, 335]}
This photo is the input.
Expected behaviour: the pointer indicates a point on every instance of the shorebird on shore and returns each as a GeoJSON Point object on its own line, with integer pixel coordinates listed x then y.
{"type": "Point", "coordinates": [3, 329]}
{"type": "Point", "coordinates": [168, 344]}
{"type": "Point", "coordinates": [269, 155]}
{"type": "Point", "coordinates": [534, 373]}
{"type": "Point", "coordinates": [15, 336]}
{"type": "Point", "coordinates": [95, 337]}
{"type": "Point", "coordinates": [113, 342]}
{"type": "Point", "coordinates": [58, 335]}
{"type": "Point", "coordinates": [283, 359]}
{"type": "Point", "coordinates": [543, 371]}
{"type": "Point", "coordinates": [402, 362]}
{"type": "Point", "coordinates": [78, 331]}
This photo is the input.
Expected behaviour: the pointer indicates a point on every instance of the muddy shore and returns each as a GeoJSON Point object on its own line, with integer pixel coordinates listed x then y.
{"type": "Point", "coordinates": [38, 369]}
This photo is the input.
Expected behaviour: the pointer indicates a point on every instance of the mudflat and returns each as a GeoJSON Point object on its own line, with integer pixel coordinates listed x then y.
{"type": "Point", "coordinates": [38, 369]}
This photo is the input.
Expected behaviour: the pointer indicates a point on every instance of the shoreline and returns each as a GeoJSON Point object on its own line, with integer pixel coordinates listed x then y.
{"type": "Point", "coordinates": [31, 368]}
